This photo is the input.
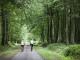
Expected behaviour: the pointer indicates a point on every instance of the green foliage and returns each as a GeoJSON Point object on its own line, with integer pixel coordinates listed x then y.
{"type": "Point", "coordinates": [51, 21]}
{"type": "Point", "coordinates": [46, 20]}
{"type": "Point", "coordinates": [48, 54]}
{"type": "Point", "coordinates": [56, 46]}
{"type": "Point", "coordinates": [8, 51]}
{"type": "Point", "coordinates": [44, 44]}
{"type": "Point", "coordinates": [73, 50]}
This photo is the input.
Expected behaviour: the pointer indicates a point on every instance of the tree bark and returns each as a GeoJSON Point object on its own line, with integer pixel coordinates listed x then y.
{"type": "Point", "coordinates": [42, 34]}
{"type": "Point", "coordinates": [67, 22]}
{"type": "Point", "coordinates": [48, 38]}
{"type": "Point", "coordinates": [59, 31]}
{"type": "Point", "coordinates": [51, 29]}
{"type": "Point", "coordinates": [4, 26]}
{"type": "Point", "coordinates": [73, 24]}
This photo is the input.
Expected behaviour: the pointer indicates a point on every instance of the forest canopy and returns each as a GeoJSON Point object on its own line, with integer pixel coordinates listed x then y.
{"type": "Point", "coordinates": [49, 21]}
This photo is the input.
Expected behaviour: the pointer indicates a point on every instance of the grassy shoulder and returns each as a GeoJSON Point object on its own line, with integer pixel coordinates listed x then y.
{"type": "Point", "coordinates": [55, 52]}
{"type": "Point", "coordinates": [9, 51]}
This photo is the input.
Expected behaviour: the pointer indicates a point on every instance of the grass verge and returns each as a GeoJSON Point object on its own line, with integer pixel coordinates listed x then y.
{"type": "Point", "coordinates": [51, 55]}
{"type": "Point", "coordinates": [9, 51]}
{"type": "Point", "coordinates": [54, 52]}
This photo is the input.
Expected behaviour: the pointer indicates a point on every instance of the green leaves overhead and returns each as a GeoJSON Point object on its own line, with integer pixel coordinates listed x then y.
{"type": "Point", "coordinates": [51, 20]}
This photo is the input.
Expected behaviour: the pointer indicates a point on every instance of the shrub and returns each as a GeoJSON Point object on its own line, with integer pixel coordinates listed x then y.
{"type": "Point", "coordinates": [73, 50]}
{"type": "Point", "coordinates": [56, 46]}
{"type": "Point", "coordinates": [44, 44]}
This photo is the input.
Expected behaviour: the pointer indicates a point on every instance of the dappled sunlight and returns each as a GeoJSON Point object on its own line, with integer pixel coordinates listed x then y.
{"type": "Point", "coordinates": [25, 34]}
{"type": "Point", "coordinates": [40, 29]}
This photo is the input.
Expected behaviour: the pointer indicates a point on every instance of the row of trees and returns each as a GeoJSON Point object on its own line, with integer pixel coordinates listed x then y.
{"type": "Point", "coordinates": [10, 21]}
{"type": "Point", "coordinates": [4, 15]}
{"type": "Point", "coordinates": [62, 21]}
{"type": "Point", "coordinates": [59, 22]}
{"type": "Point", "coordinates": [52, 21]}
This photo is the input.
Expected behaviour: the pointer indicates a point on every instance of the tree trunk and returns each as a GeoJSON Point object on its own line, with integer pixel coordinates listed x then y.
{"type": "Point", "coordinates": [4, 26]}
{"type": "Point", "coordinates": [42, 34]}
{"type": "Point", "coordinates": [56, 26]}
{"type": "Point", "coordinates": [59, 31]}
{"type": "Point", "coordinates": [73, 32]}
{"type": "Point", "coordinates": [73, 24]}
{"type": "Point", "coordinates": [67, 22]}
{"type": "Point", "coordinates": [67, 30]}
{"type": "Point", "coordinates": [48, 33]}
{"type": "Point", "coordinates": [51, 29]}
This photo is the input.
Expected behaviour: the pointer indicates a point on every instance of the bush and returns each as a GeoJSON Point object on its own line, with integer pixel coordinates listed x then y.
{"type": "Point", "coordinates": [56, 46]}
{"type": "Point", "coordinates": [44, 44]}
{"type": "Point", "coordinates": [73, 50]}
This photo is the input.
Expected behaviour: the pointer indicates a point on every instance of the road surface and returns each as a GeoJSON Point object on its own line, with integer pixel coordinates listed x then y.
{"type": "Point", "coordinates": [27, 55]}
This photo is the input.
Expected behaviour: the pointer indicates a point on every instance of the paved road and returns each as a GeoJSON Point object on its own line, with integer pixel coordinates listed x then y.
{"type": "Point", "coordinates": [27, 55]}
